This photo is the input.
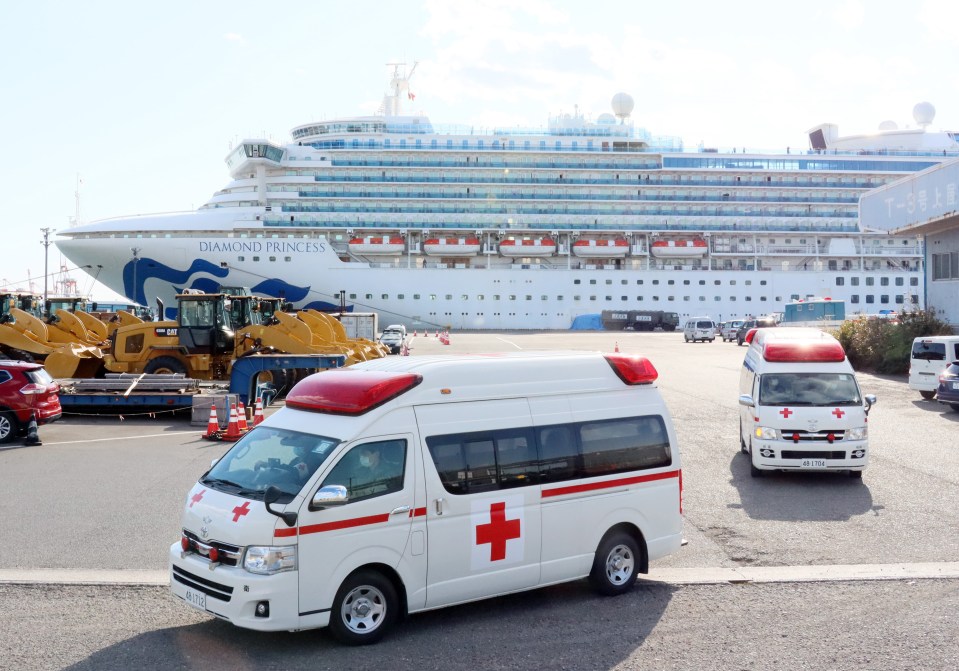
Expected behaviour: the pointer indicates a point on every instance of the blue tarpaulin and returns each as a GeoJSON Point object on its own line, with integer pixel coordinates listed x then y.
{"type": "Point", "coordinates": [587, 323]}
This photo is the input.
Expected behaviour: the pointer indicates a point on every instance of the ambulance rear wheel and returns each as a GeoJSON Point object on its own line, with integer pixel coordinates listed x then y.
{"type": "Point", "coordinates": [928, 395]}
{"type": "Point", "coordinates": [364, 609]}
{"type": "Point", "coordinates": [9, 427]}
{"type": "Point", "coordinates": [616, 564]}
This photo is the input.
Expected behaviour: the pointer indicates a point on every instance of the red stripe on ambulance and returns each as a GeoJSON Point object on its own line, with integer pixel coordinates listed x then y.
{"type": "Point", "coordinates": [608, 484]}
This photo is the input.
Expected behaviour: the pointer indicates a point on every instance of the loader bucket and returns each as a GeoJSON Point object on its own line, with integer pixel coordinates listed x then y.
{"type": "Point", "coordinates": [68, 363]}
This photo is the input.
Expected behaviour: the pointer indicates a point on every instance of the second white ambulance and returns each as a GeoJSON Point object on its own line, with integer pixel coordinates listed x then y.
{"type": "Point", "coordinates": [800, 404]}
{"type": "Point", "coordinates": [411, 483]}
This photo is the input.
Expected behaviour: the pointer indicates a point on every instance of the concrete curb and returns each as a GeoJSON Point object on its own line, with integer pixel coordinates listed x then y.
{"type": "Point", "coordinates": [668, 576]}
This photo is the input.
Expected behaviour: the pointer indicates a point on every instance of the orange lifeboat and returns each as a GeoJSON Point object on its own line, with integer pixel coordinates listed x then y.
{"type": "Point", "coordinates": [601, 247]}
{"type": "Point", "coordinates": [452, 246]}
{"type": "Point", "coordinates": [527, 247]}
{"type": "Point", "coordinates": [675, 248]}
{"type": "Point", "coordinates": [377, 245]}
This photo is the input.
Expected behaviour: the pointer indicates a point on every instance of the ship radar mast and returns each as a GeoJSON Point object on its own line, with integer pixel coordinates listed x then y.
{"type": "Point", "coordinates": [399, 87]}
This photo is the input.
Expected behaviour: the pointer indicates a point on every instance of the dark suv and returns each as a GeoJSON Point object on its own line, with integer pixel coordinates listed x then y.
{"type": "Point", "coordinates": [750, 324]}
{"type": "Point", "coordinates": [26, 390]}
{"type": "Point", "coordinates": [948, 391]}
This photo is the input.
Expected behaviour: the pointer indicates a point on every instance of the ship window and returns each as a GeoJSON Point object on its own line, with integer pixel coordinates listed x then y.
{"type": "Point", "coordinates": [287, 259]}
{"type": "Point", "coordinates": [624, 281]}
{"type": "Point", "coordinates": [686, 282]}
{"type": "Point", "coordinates": [609, 281]}
{"type": "Point", "coordinates": [732, 283]}
{"type": "Point", "coordinates": [670, 298]}
{"type": "Point", "coordinates": [840, 281]}
{"type": "Point", "coordinates": [241, 258]}
{"type": "Point", "coordinates": [400, 296]}
{"type": "Point", "coordinates": [528, 297]}
{"type": "Point", "coordinates": [914, 281]}
{"type": "Point", "coordinates": [495, 297]}
{"type": "Point", "coordinates": [639, 281]}
{"type": "Point", "coordinates": [608, 299]}
{"type": "Point", "coordinates": [884, 299]}
{"type": "Point", "coordinates": [512, 297]}
{"type": "Point", "coordinates": [884, 281]}
{"type": "Point", "coordinates": [655, 298]}
{"type": "Point", "coordinates": [369, 297]}
{"type": "Point", "coordinates": [624, 298]}
{"type": "Point", "coordinates": [686, 298]}
{"type": "Point", "coordinates": [416, 297]}
{"type": "Point", "coordinates": [870, 281]}
{"type": "Point", "coordinates": [702, 299]}
{"type": "Point", "coordinates": [464, 297]}
{"type": "Point", "coordinates": [449, 297]}
{"type": "Point", "coordinates": [671, 282]}
{"type": "Point", "coordinates": [592, 281]}
{"type": "Point", "coordinates": [256, 258]}
{"type": "Point", "coordinates": [272, 258]}
{"type": "Point", "coordinates": [854, 281]}
{"type": "Point", "coordinates": [748, 283]}
{"type": "Point", "coordinates": [384, 296]}
{"type": "Point", "coordinates": [899, 282]}
{"type": "Point", "coordinates": [870, 298]}
{"type": "Point", "coordinates": [854, 298]}
{"type": "Point", "coordinates": [732, 299]}
{"type": "Point", "coordinates": [576, 298]}
{"type": "Point", "coordinates": [717, 282]}
{"type": "Point", "coordinates": [655, 281]}
{"type": "Point", "coordinates": [544, 297]}
{"type": "Point", "coordinates": [717, 298]}
{"type": "Point", "coordinates": [702, 283]}
{"type": "Point", "coordinates": [762, 283]}
{"type": "Point", "coordinates": [559, 298]}
{"type": "Point", "coordinates": [900, 299]}
{"type": "Point", "coordinates": [576, 281]}
{"type": "Point", "coordinates": [432, 297]}
{"type": "Point", "coordinates": [749, 298]}
{"type": "Point", "coordinates": [480, 297]}
{"type": "Point", "coordinates": [762, 299]}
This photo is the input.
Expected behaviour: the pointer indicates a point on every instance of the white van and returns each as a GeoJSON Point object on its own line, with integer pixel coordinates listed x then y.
{"type": "Point", "coordinates": [411, 483]}
{"type": "Point", "coordinates": [930, 356]}
{"type": "Point", "coordinates": [800, 405]}
{"type": "Point", "coordinates": [700, 328]}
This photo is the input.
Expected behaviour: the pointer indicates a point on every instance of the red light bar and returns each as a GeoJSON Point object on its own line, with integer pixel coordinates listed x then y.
{"type": "Point", "coordinates": [349, 392]}
{"type": "Point", "coordinates": [632, 369]}
{"type": "Point", "coordinates": [750, 334]}
{"type": "Point", "coordinates": [807, 351]}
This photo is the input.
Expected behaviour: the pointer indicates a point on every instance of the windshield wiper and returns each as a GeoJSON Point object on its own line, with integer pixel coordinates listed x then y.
{"type": "Point", "coordinates": [221, 482]}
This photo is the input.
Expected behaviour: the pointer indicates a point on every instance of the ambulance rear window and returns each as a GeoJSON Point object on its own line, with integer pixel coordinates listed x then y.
{"type": "Point", "coordinates": [929, 351]}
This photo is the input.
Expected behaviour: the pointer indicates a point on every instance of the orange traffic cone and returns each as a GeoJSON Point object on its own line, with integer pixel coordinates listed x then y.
{"type": "Point", "coordinates": [212, 426]}
{"type": "Point", "coordinates": [241, 416]}
{"type": "Point", "coordinates": [258, 414]}
{"type": "Point", "coordinates": [616, 348]}
{"type": "Point", "coordinates": [233, 428]}
{"type": "Point", "coordinates": [405, 350]}
{"type": "Point", "coordinates": [414, 334]}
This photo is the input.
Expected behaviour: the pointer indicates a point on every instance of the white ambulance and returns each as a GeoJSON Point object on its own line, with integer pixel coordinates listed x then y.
{"type": "Point", "coordinates": [929, 357]}
{"type": "Point", "coordinates": [800, 404]}
{"type": "Point", "coordinates": [411, 483]}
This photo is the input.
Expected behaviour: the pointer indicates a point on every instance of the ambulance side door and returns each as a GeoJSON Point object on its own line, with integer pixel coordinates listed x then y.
{"type": "Point", "coordinates": [482, 501]}
{"type": "Point", "coordinates": [373, 527]}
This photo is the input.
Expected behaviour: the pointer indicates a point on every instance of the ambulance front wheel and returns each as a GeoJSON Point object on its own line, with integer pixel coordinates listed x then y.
{"type": "Point", "coordinates": [616, 564]}
{"type": "Point", "coordinates": [364, 609]}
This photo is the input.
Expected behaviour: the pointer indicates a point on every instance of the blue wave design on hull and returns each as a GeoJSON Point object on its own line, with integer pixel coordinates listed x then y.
{"type": "Point", "coordinates": [148, 268]}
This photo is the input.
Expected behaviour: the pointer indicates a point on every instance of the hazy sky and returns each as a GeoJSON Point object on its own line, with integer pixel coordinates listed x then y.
{"type": "Point", "coordinates": [143, 100]}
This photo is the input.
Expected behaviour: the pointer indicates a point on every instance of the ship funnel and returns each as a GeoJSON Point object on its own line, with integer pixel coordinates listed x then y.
{"type": "Point", "coordinates": [821, 136]}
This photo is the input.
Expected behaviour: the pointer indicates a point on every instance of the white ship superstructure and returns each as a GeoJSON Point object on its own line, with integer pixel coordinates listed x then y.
{"type": "Point", "coordinates": [524, 229]}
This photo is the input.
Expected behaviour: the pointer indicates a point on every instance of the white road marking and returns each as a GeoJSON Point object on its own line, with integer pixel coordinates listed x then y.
{"type": "Point", "coordinates": [508, 342]}
{"type": "Point", "coordinates": [668, 576]}
{"type": "Point", "coordinates": [148, 435]}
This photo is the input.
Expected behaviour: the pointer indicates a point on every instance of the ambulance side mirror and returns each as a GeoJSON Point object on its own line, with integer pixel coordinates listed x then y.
{"type": "Point", "coordinates": [747, 400]}
{"type": "Point", "coordinates": [330, 496]}
{"type": "Point", "coordinates": [870, 401]}
{"type": "Point", "coordinates": [213, 462]}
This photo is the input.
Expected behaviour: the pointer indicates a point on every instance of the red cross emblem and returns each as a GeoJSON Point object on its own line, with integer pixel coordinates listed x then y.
{"type": "Point", "coordinates": [196, 497]}
{"type": "Point", "coordinates": [497, 532]}
{"type": "Point", "coordinates": [240, 511]}
{"type": "Point", "coordinates": [786, 412]}
{"type": "Point", "coordinates": [838, 413]}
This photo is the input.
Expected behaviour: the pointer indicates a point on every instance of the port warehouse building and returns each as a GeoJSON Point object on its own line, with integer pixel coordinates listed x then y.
{"type": "Point", "coordinates": [925, 204]}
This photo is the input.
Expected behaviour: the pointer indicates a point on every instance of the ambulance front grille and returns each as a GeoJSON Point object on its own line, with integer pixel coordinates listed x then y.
{"type": "Point", "coordinates": [813, 454]}
{"type": "Point", "coordinates": [812, 436]}
{"type": "Point", "coordinates": [214, 590]}
{"type": "Point", "coordinates": [226, 554]}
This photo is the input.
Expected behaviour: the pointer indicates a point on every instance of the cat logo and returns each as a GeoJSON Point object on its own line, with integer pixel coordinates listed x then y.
{"type": "Point", "coordinates": [166, 332]}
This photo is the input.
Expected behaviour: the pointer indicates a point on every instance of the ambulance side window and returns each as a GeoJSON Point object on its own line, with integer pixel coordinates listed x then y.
{"type": "Point", "coordinates": [370, 469]}
{"type": "Point", "coordinates": [558, 453]}
{"type": "Point", "coordinates": [484, 461]}
{"type": "Point", "coordinates": [621, 445]}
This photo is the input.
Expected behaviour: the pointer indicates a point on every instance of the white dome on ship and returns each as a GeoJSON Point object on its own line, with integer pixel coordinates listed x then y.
{"type": "Point", "coordinates": [888, 125]}
{"type": "Point", "coordinates": [924, 113]}
{"type": "Point", "coordinates": [606, 117]}
{"type": "Point", "coordinates": [622, 105]}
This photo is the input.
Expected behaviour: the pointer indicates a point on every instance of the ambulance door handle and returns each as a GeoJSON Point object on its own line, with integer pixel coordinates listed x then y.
{"type": "Point", "coordinates": [439, 506]}
{"type": "Point", "coordinates": [402, 509]}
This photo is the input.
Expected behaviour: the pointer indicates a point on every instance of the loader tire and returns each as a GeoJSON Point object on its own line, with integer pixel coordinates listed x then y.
{"type": "Point", "coordinates": [165, 365]}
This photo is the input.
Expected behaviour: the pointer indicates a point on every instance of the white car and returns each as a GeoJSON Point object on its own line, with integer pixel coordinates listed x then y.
{"type": "Point", "coordinates": [730, 329]}
{"type": "Point", "coordinates": [700, 328]}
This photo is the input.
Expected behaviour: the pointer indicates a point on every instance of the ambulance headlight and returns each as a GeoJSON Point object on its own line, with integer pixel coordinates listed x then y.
{"type": "Point", "coordinates": [267, 560]}
{"type": "Point", "coordinates": [858, 433]}
{"type": "Point", "coordinates": [766, 433]}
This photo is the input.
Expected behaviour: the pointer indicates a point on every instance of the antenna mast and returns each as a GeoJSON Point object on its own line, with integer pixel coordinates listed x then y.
{"type": "Point", "coordinates": [399, 86]}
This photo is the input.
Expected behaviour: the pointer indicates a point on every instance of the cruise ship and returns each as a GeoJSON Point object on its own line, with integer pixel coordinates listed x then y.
{"type": "Point", "coordinates": [452, 227]}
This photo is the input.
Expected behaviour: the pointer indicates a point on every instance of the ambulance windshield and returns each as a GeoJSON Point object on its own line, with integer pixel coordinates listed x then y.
{"type": "Point", "coordinates": [822, 389]}
{"type": "Point", "coordinates": [269, 456]}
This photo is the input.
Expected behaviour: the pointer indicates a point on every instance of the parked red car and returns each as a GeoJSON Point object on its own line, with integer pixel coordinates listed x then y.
{"type": "Point", "coordinates": [26, 389]}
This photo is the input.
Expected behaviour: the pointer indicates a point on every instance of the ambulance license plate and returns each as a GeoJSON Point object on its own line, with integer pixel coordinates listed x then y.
{"type": "Point", "coordinates": [193, 597]}
{"type": "Point", "coordinates": [955, 385]}
{"type": "Point", "coordinates": [813, 463]}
